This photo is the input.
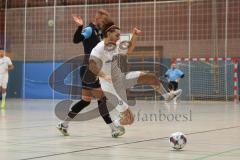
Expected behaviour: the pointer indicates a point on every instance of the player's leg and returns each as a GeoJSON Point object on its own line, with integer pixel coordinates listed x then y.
{"type": "Point", "coordinates": [175, 88]}
{"type": "Point", "coordinates": [4, 83]}
{"type": "Point", "coordinates": [86, 97]}
{"type": "Point", "coordinates": [75, 109]}
{"type": "Point", "coordinates": [4, 94]}
{"type": "Point", "coordinates": [151, 79]}
{"type": "Point", "coordinates": [118, 97]}
{"type": "Point", "coordinates": [171, 86]}
{"type": "Point", "coordinates": [116, 128]}
{"type": "Point", "coordinates": [80, 105]}
{"type": "Point", "coordinates": [139, 77]}
{"type": "Point", "coordinates": [97, 92]}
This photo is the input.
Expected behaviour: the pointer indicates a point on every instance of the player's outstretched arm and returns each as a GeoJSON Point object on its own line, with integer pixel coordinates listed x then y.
{"type": "Point", "coordinates": [133, 41]}
{"type": "Point", "coordinates": [80, 33]}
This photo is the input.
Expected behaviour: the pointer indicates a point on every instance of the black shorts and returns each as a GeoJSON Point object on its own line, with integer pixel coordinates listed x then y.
{"type": "Point", "coordinates": [89, 79]}
{"type": "Point", "coordinates": [173, 85]}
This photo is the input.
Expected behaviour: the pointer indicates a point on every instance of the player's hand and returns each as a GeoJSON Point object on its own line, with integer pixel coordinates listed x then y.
{"type": "Point", "coordinates": [127, 117]}
{"type": "Point", "coordinates": [78, 20]}
{"type": "Point", "coordinates": [136, 31]}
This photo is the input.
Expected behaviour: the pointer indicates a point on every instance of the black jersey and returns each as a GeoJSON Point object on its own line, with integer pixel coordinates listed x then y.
{"type": "Point", "coordinates": [90, 36]}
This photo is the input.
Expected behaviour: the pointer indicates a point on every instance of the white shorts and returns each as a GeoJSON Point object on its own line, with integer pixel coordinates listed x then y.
{"type": "Point", "coordinates": [3, 80]}
{"type": "Point", "coordinates": [118, 89]}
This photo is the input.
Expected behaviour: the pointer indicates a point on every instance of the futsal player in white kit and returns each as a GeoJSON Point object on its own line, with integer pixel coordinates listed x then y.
{"type": "Point", "coordinates": [5, 66]}
{"type": "Point", "coordinates": [104, 63]}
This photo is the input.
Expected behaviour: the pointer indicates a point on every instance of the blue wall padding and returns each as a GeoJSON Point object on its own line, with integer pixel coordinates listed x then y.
{"type": "Point", "coordinates": [15, 80]}
{"type": "Point", "coordinates": [36, 81]}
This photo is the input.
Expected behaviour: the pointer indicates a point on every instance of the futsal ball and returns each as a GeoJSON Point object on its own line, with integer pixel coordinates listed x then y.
{"type": "Point", "coordinates": [177, 140]}
{"type": "Point", "coordinates": [50, 23]}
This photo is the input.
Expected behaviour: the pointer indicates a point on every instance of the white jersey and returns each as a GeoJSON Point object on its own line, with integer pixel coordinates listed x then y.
{"type": "Point", "coordinates": [4, 63]}
{"type": "Point", "coordinates": [110, 67]}
{"type": "Point", "coordinates": [107, 57]}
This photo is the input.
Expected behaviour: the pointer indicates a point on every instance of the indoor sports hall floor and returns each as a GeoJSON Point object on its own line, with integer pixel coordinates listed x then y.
{"type": "Point", "coordinates": [28, 131]}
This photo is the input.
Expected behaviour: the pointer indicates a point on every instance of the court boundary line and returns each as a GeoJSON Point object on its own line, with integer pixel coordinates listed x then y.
{"type": "Point", "coordinates": [217, 154]}
{"type": "Point", "coordinates": [127, 143]}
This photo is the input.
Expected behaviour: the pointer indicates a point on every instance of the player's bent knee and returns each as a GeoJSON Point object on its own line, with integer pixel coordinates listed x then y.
{"type": "Point", "coordinates": [86, 98]}
{"type": "Point", "coordinates": [102, 100]}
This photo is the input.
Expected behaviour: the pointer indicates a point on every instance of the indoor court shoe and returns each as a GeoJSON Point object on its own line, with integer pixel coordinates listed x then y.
{"type": "Point", "coordinates": [62, 129]}
{"type": "Point", "coordinates": [118, 131]}
{"type": "Point", "coordinates": [170, 96]}
{"type": "Point", "coordinates": [3, 105]}
{"type": "Point", "coordinates": [176, 93]}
